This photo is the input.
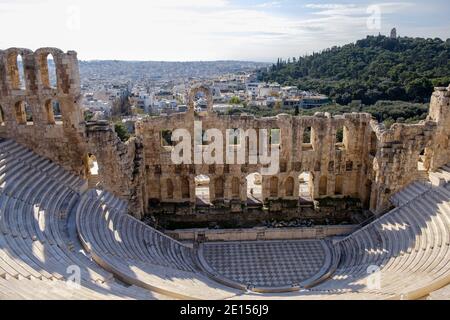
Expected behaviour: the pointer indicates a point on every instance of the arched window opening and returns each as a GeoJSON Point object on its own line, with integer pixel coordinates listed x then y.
{"type": "Point", "coordinates": [338, 185]}
{"type": "Point", "coordinates": [56, 108]}
{"type": "Point", "coordinates": [202, 190]}
{"type": "Point", "coordinates": [254, 189]}
{"type": "Point", "coordinates": [53, 112]}
{"type": "Point", "coordinates": [93, 171]}
{"type": "Point", "coordinates": [323, 186]}
{"type": "Point", "coordinates": [283, 166]}
{"type": "Point", "coordinates": [169, 186]}
{"type": "Point", "coordinates": [340, 137]}
{"type": "Point", "coordinates": [16, 71]}
{"type": "Point", "coordinates": [349, 166]}
{"type": "Point", "coordinates": [23, 113]}
{"type": "Point", "coordinates": [307, 135]}
{"type": "Point", "coordinates": [304, 184]}
{"type": "Point", "coordinates": [48, 71]}
{"type": "Point", "coordinates": [219, 188]}
{"type": "Point", "coordinates": [235, 187]}
{"type": "Point", "coordinates": [51, 70]}
{"type": "Point", "coordinates": [289, 187]}
{"type": "Point", "coordinates": [20, 73]}
{"type": "Point", "coordinates": [273, 187]}
{"type": "Point", "coordinates": [166, 138]}
{"type": "Point", "coordinates": [331, 166]}
{"type": "Point", "coordinates": [185, 190]}
{"type": "Point", "coordinates": [307, 139]}
{"type": "Point", "coordinates": [421, 161]}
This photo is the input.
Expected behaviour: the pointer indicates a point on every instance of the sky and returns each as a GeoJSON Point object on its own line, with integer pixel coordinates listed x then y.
{"type": "Point", "coordinates": [193, 30]}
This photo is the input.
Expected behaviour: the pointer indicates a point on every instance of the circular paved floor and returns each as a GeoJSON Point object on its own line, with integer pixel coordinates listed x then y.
{"type": "Point", "coordinates": [265, 264]}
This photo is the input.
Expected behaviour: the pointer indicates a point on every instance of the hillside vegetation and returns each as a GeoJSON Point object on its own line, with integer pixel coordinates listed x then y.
{"type": "Point", "coordinates": [372, 69]}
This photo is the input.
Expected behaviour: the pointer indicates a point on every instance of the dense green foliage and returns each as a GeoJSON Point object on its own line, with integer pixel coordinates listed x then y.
{"type": "Point", "coordinates": [372, 69]}
{"type": "Point", "coordinates": [121, 131]}
{"type": "Point", "coordinates": [387, 112]}
{"type": "Point", "coordinates": [235, 100]}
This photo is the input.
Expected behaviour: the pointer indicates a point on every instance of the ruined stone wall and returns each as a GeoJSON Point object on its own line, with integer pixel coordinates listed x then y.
{"type": "Point", "coordinates": [324, 158]}
{"type": "Point", "coordinates": [440, 113]}
{"type": "Point", "coordinates": [59, 141]}
{"type": "Point", "coordinates": [121, 168]}
{"type": "Point", "coordinates": [371, 163]}
{"type": "Point", "coordinates": [395, 164]}
{"type": "Point", "coordinates": [27, 116]}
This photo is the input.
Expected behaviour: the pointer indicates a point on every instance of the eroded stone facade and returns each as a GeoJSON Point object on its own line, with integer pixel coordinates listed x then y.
{"type": "Point", "coordinates": [27, 116]}
{"type": "Point", "coordinates": [370, 163]}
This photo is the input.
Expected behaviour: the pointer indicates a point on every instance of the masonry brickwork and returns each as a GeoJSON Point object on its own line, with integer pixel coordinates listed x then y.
{"type": "Point", "coordinates": [370, 162]}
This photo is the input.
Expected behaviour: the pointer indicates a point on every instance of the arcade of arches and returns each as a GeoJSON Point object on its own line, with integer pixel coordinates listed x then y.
{"type": "Point", "coordinates": [323, 158]}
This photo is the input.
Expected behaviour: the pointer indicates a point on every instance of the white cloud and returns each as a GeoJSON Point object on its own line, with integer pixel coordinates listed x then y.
{"type": "Point", "coordinates": [273, 4]}
{"type": "Point", "coordinates": [182, 29]}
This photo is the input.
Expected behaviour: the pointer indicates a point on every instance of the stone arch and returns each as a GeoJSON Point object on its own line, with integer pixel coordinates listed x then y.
{"type": "Point", "coordinates": [185, 188]}
{"type": "Point", "coordinates": [307, 135]}
{"type": "Point", "coordinates": [92, 170]}
{"type": "Point", "coordinates": [323, 186]}
{"type": "Point", "coordinates": [201, 89]}
{"type": "Point", "coordinates": [254, 188]}
{"type": "Point", "coordinates": [340, 134]}
{"type": "Point", "coordinates": [15, 58]}
{"type": "Point", "coordinates": [289, 187]}
{"type": "Point", "coordinates": [305, 186]}
{"type": "Point", "coordinates": [273, 187]}
{"type": "Point", "coordinates": [48, 72]}
{"type": "Point", "coordinates": [202, 189]}
{"type": "Point", "coordinates": [53, 111]}
{"type": "Point", "coordinates": [424, 159]}
{"type": "Point", "coordinates": [22, 113]}
{"type": "Point", "coordinates": [235, 187]}
{"type": "Point", "coordinates": [219, 188]}
{"type": "Point", "coordinates": [170, 188]}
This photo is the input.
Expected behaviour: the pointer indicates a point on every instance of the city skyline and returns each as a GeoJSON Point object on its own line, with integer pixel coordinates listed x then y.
{"type": "Point", "coordinates": [210, 30]}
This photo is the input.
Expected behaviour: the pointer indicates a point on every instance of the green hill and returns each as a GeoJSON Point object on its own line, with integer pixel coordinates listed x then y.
{"type": "Point", "coordinates": [372, 69]}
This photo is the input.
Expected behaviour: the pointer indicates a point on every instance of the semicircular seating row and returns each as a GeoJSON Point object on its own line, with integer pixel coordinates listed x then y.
{"type": "Point", "coordinates": [37, 254]}
{"type": "Point", "coordinates": [409, 245]}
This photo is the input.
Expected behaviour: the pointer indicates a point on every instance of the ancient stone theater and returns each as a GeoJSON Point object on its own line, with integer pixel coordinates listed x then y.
{"type": "Point", "coordinates": [377, 200]}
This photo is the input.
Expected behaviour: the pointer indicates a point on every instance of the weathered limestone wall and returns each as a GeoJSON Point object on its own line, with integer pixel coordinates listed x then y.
{"type": "Point", "coordinates": [440, 113]}
{"type": "Point", "coordinates": [121, 168]}
{"type": "Point", "coordinates": [27, 116]}
{"type": "Point", "coordinates": [396, 162]}
{"type": "Point", "coordinates": [60, 142]}
{"type": "Point", "coordinates": [324, 158]}
{"type": "Point", "coordinates": [371, 163]}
